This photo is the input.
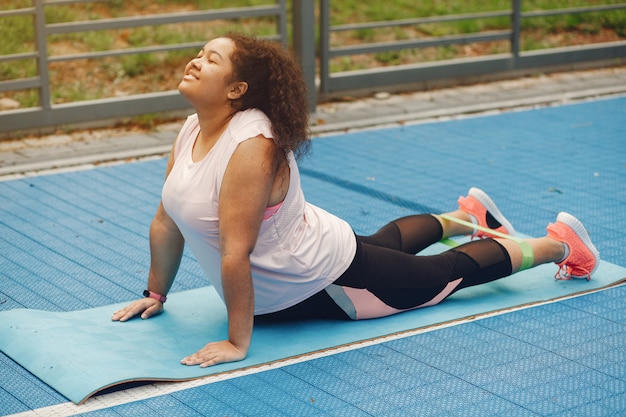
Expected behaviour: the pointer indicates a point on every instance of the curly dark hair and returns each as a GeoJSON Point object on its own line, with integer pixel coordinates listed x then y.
{"type": "Point", "coordinates": [275, 86]}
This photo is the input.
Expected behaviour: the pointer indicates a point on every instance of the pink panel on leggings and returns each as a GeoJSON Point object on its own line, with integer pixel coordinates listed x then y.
{"type": "Point", "coordinates": [368, 306]}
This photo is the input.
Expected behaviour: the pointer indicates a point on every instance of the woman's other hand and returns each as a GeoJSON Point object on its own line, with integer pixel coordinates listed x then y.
{"type": "Point", "coordinates": [147, 307]}
{"type": "Point", "coordinates": [214, 353]}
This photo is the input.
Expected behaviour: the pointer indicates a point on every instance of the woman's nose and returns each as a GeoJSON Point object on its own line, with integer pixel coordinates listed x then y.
{"type": "Point", "coordinates": [195, 62]}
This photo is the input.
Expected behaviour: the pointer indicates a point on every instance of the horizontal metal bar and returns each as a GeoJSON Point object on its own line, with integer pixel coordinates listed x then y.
{"type": "Point", "coordinates": [419, 43]}
{"type": "Point", "coordinates": [574, 10]}
{"type": "Point", "coordinates": [357, 80]}
{"type": "Point", "coordinates": [17, 12]}
{"type": "Point", "coordinates": [83, 111]}
{"type": "Point", "coordinates": [20, 84]}
{"type": "Point", "coordinates": [143, 50]}
{"type": "Point", "coordinates": [420, 21]}
{"type": "Point", "coordinates": [572, 55]}
{"type": "Point", "coordinates": [170, 18]}
{"type": "Point", "coordinates": [467, 67]}
{"type": "Point", "coordinates": [471, 16]}
{"type": "Point", "coordinates": [16, 57]}
{"type": "Point", "coordinates": [65, 2]}
{"type": "Point", "coordinates": [129, 51]}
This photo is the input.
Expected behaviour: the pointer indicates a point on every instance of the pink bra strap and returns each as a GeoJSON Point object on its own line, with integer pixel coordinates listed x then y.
{"type": "Point", "coordinates": [270, 211]}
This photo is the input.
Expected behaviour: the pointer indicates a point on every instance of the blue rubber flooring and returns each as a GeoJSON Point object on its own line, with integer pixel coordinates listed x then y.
{"type": "Point", "coordinates": [78, 240]}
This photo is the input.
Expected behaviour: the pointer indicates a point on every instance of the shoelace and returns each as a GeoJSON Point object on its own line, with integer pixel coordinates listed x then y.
{"type": "Point", "coordinates": [564, 273]}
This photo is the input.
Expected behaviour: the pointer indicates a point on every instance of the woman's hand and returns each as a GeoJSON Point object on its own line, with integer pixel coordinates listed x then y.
{"type": "Point", "coordinates": [214, 353]}
{"type": "Point", "coordinates": [147, 307]}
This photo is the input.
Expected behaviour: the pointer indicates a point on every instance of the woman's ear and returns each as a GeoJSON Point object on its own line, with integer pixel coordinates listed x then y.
{"type": "Point", "coordinates": [238, 90]}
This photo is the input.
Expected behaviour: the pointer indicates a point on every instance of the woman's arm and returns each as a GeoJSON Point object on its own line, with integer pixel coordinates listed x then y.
{"type": "Point", "coordinates": [244, 195]}
{"type": "Point", "coordinates": [166, 250]}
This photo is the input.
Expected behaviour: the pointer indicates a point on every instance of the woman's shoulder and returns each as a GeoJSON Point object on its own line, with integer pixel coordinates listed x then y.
{"type": "Point", "coordinates": [250, 123]}
{"type": "Point", "coordinates": [251, 115]}
{"type": "Point", "coordinates": [191, 120]}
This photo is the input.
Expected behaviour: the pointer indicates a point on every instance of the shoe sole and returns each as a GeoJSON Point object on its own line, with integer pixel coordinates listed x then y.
{"type": "Point", "coordinates": [491, 207]}
{"type": "Point", "coordinates": [578, 228]}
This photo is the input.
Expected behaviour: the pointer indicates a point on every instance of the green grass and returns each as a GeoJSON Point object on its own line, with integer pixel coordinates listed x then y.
{"type": "Point", "coordinates": [139, 73]}
{"type": "Point", "coordinates": [537, 33]}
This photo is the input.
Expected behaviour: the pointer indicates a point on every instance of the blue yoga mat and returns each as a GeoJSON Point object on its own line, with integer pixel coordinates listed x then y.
{"type": "Point", "coordinates": [79, 353]}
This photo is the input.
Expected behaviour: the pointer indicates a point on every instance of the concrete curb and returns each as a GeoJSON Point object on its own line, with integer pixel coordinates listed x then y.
{"type": "Point", "coordinates": [467, 110]}
{"type": "Point", "coordinates": [36, 157]}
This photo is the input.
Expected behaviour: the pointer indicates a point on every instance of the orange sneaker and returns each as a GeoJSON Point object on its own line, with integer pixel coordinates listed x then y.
{"type": "Point", "coordinates": [484, 213]}
{"type": "Point", "coordinates": [583, 257]}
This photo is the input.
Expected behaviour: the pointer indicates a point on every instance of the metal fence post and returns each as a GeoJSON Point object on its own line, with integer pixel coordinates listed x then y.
{"type": "Point", "coordinates": [516, 29]}
{"type": "Point", "coordinates": [45, 100]}
{"type": "Point", "coordinates": [281, 24]}
{"type": "Point", "coordinates": [304, 44]}
{"type": "Point", "coordinates": [324, 45]}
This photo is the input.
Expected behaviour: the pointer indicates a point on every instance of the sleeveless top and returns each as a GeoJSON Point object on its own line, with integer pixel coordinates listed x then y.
{"type": "Point", "coordinates": [300, 249]}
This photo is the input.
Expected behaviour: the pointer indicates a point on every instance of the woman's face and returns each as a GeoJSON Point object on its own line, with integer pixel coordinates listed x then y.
{"type": "Point", "coordinates": [208, 77]}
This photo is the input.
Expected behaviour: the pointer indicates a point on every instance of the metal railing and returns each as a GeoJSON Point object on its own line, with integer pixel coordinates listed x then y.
{"type": "Point", "coordinates": [48, 114]}
{"type": "Point", "coordinates": [514, 61]}
{"type": "Point", "coordinates": [311, 41]}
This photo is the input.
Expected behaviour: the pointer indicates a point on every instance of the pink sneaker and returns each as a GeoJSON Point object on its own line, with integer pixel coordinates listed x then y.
{"type": "Point", "coordinates": [583, 257]}
{"type": "Point", "coordinates": [485, 213]}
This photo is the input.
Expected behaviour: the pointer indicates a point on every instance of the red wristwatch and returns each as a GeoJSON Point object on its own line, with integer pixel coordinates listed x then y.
{"type": "Point", "coordinates": [156, 296]}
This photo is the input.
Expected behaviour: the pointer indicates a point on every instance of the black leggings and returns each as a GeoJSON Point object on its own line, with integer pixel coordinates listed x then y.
{"type": "Point", "coordinates": [386, 266]}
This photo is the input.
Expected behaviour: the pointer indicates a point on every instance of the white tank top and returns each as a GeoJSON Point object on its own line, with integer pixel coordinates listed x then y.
{"type": "Point", "coordinates": [300, 250]}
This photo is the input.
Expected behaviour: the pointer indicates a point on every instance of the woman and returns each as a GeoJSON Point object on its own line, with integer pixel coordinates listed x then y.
{"type": "Point", "coordinates": [232, 193]}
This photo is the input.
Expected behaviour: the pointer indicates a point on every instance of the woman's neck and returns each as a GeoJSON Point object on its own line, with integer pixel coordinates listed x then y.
{"type": "Point", "coordinates": [212, 125]}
